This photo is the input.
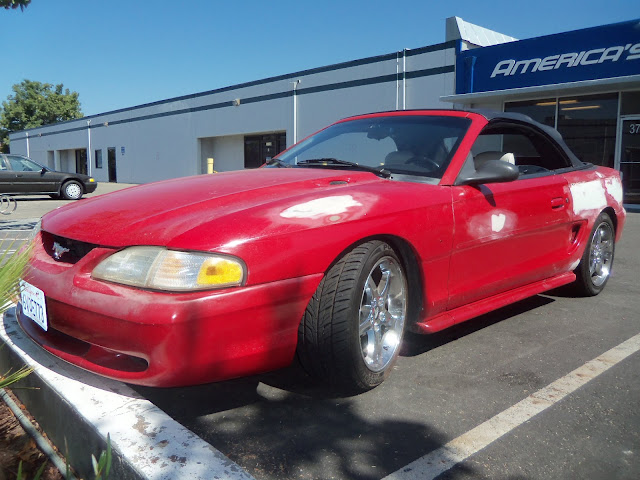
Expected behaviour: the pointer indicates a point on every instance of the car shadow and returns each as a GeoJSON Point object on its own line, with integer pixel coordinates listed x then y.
{"type": "Point", "coordinates": [38, 198]}
{"type": "Point", "coordinates": [284, 423]}
{"type": "Point", "coordinates": [566, 291]}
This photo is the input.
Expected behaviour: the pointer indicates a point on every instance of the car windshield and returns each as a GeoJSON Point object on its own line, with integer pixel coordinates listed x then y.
{"type": "Point", "coordinates": [397, 145]}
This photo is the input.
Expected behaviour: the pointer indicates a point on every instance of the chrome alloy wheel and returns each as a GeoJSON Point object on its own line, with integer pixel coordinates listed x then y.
{"type": "Point", "coordinates": [601, 254]}
{"type": "Point", "coordinates": [383, 310]}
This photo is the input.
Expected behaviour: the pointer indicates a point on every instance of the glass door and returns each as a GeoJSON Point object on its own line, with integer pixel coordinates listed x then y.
{"type": "Point", "coordinates": [630, 158]}
{"type": "Point", "coordinates": [260, 148]}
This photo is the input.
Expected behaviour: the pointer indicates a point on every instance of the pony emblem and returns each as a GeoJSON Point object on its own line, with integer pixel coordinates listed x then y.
{"type": "Point", "coordinates": [59, 250]}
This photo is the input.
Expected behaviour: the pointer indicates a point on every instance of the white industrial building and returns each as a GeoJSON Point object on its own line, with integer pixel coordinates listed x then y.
{"type": "Point", "coordinates": [586, 83]}
{"type": "Point", "coordinates": [242, 125]}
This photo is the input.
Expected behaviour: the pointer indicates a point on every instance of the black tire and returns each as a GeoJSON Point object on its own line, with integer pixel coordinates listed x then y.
{"type": "Point", "coordinates": [594, 268]}
{"type": "Point", "coordinates": [343, 338]}
{"type": "Point", "coordinates": [72, 190]}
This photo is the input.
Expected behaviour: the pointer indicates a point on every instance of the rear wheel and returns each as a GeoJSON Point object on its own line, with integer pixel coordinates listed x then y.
{"type": "Point", "coordinates": [72, 190]}
{"type": "Point", "coordinates": [595, 266]}
{"type": "Point", "coordinates": [351, 331]}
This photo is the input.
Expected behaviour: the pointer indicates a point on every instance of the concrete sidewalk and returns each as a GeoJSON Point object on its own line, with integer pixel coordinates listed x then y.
{"type": "Point", "coordinates": [77, 410]}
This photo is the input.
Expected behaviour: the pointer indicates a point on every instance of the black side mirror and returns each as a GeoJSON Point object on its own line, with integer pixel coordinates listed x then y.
{"type": "Point", "coordinates": [492, 171]}
{"type": "Point", "coordinates": [43, 171]}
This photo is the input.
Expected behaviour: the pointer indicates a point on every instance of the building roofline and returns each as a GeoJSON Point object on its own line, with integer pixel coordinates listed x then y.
{"type": "Point", "coordinates": [327, 68]}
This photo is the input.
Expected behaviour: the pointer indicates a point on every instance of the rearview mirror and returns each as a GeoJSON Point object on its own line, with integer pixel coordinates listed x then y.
{"type": "Point", "coordinates": [492, 171]}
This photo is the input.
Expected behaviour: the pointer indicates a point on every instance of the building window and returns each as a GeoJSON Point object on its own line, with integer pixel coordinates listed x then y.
{"type": "Point", "coordinates": [260, 148]}
{"type": "Point", "coordinates": [630, 146]}
{"type": "Point", "coordinates": [630, 103]}
{"type": "Point", "coordinates": [630, 159]}
{"type": "Point", "coordinates": [98, 157]}
{"type": "Point", "coordinates": [543, 111]}
{"type": "Point", "coordinates": [587, 124]}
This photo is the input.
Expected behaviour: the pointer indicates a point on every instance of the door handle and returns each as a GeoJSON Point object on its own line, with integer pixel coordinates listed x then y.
{"type": "Point", "coordinates": [558, 203]}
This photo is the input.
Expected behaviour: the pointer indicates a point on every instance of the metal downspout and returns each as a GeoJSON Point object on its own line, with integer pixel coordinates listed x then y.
{"type": "Point", "coordinates": [89, 149]}
{"type": "Point", "coordinates": [404, 78]}
{"type": "Point", "coordinates": [295, 111]}
{"type": "Point", "coordinates": [397, 80]}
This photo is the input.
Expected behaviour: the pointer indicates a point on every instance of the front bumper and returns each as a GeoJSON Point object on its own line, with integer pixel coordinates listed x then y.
{"type": "Point", "coordinates": [164, 339]}
{"type": "Point", "coordinates": [90, 187]}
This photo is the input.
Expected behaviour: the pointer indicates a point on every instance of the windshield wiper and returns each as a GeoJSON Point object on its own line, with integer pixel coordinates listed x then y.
{"type": "Point", "coordinates": [335, 162]}
{"type": "Point", "coordinates": [278, 163]}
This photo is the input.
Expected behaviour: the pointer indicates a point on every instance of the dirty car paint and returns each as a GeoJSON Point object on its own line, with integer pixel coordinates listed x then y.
{"type": "Point", "coordinates": [474, 248]}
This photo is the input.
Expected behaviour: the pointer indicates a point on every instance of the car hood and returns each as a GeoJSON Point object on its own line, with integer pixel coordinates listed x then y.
{"type": "Point", "coordinates": [207, 211]}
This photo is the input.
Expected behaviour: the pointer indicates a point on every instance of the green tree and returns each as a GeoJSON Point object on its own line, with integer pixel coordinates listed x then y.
{"type": "Point", "coordinates": [14, 4]}
{"type": "Point", "coordinates": [34, 104]}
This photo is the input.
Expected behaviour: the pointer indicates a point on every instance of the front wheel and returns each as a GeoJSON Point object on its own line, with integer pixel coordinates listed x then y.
{"type": "Point", "coordinates": [72, 190]}
{"type": "Point", "coordinates": [595, 266]}
{"type": "Point", "coordinates": [351, 331]}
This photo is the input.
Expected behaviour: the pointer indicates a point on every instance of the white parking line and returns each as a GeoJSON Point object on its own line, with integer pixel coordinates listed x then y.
{"type": "Point", "coordinates": [461, 448]}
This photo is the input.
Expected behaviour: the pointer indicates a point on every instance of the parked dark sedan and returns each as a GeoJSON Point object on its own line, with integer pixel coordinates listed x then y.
{"type": "Point", "coordinates": [20, 175]}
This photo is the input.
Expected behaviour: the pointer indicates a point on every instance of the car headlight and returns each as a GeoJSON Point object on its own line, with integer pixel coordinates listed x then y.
{"type": "Point", "coordinates": [161, 269]}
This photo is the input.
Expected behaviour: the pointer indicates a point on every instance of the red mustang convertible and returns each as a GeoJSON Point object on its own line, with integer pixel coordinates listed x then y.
{"type": "Point", "coordinates": [376, 225]}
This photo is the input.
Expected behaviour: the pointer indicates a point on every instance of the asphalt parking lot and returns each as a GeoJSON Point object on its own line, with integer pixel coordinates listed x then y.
{"type": "Point", "coordinates": [283, 426]}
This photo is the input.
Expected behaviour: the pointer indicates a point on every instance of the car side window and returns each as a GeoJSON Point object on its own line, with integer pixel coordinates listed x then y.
{"type": "Point", "coordinates": [528, 149]}
{"type": "Point", "coordinates": [22, 164]}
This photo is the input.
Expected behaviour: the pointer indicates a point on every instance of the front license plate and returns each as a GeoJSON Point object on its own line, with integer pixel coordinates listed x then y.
{"type": "Point", "coordinates": [33, 303]}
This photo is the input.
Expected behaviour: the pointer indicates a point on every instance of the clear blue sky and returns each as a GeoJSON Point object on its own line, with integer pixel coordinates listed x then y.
{"type": "Point", "coordinates": [121, 53]}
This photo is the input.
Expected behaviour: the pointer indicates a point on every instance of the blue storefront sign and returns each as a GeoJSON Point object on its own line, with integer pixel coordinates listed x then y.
{"type": "Point", "coordinates": [595, 53]}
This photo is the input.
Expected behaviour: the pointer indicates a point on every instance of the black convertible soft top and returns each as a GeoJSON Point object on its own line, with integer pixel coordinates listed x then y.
{"type": "Point", "coordinates": [495, 117]}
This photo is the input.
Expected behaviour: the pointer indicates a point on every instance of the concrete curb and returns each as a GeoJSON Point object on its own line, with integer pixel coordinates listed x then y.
{"type": "Point", "coordinates": [77, 410]}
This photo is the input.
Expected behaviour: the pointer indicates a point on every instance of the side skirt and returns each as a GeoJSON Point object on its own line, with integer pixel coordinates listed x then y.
{"type": "Point", "coordinates": [465, 312]}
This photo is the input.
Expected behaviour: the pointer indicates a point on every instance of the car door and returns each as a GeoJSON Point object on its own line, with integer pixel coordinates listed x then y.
{"type": "Point", "coordinates": [29, 176]}
{"type": "Point", "coordinates": [510, 234]}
